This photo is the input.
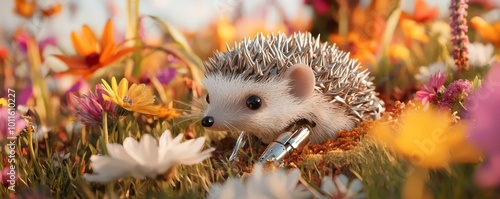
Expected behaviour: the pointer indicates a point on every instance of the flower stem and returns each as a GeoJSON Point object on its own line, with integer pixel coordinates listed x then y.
{"type": "Point", "coordinates": [105, 127]}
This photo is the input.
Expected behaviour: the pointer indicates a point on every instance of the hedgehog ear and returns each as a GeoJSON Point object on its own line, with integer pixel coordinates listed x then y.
{"type": "Point", "coordinates": [302, 80]}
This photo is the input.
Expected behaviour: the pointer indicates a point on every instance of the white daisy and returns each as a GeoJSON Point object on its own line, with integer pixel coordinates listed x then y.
{"type": "Point", "coordinates": [145, 158]}
{"type": "Point", "coordinates": [425, 72]}
{"type": "Point", "coordinates": [480, 55]}
{"type": "Point", "coordinates": [233, 188]}
{"type": "Point", "coordinates": [340, 188]}
{"type": "Point", "coordinates": [277, 184]}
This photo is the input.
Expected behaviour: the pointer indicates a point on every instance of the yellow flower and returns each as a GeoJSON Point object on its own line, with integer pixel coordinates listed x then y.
{"type": "Point", "coordinates": [3, 102]}
{"type": "Point", "coordinates": [359, 48]}
{"type": "Point", "coordinates": [226, 32]}
{"type": "Point", "coordinates": [398, 51]}
{"type": "Point", "coordinates": [413, 30]}
{"type": "Point", "coordinates": [428, 139]}
{"type": "Point", "coordinates": [137, 98]}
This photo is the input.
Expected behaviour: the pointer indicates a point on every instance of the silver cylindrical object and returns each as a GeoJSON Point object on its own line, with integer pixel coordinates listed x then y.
{"type": "Point", "coordinates": [286, 143]}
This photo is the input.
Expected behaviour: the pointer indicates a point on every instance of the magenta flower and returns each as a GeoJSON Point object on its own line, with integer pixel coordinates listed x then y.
{"type": "Point", "coordinates": [428, 92]}
{"type": "Point", "coordinates": [483, 110]}
{"type": "Point", "coordinates": [8, 177]}
{"type": "Point", "coordinates": [18, 125]}
{"type": "Point", "coordinates": [456, 91]}
{"type": "Point", "coordinates": [322, 7]}
{"type": "Point", "coordinates": [89, 107]}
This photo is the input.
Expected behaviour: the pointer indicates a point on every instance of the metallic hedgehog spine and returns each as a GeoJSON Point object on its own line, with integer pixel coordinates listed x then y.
{"type": "Point", "coordinates": [337, 76]}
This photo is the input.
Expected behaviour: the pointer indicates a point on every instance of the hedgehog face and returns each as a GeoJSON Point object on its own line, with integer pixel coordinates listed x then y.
{"type": "Point", "coordinates": [262, 108]}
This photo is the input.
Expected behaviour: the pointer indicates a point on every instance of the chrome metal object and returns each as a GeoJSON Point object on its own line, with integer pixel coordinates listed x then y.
{"type": "Point", "coordinates": [286, 143]}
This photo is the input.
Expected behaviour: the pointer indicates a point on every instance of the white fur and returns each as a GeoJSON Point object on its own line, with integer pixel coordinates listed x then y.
{"type": "Point", "coordinates": [279, 108]}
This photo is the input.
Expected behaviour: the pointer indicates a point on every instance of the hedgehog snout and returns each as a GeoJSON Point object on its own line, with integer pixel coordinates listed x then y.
{"type": "Point", "coordinates": [207, 121]}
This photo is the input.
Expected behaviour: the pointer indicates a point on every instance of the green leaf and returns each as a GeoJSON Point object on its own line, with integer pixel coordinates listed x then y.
{"type": "Point", "coordinates": [381, 59]}
{"type": "Point", "coordinates": [476, 83]}
{"type": "Point", "coordinates": [174, 33]}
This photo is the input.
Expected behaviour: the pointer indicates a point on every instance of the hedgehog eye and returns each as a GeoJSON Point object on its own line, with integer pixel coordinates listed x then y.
{"type": "Point", "coordinates": [253, 102]}
{"type": "Point", "coordinates": [208, 99]}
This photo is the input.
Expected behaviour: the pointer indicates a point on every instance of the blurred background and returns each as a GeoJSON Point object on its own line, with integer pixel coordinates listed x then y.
{"type": "Point", "coordinates": [224, 20]}
{"type": "Point", "coordinates": [401, 42]}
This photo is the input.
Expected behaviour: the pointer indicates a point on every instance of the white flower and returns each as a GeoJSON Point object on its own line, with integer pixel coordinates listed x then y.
{"type": "Point", "coordinates": [340, 188]}
{"type": "Point", "coordinates": [233, 188]}
{"type": "Point", "coordinates": [480, 55]}
{"type": "Point", "coordinates": [425, 72]}
{"type": "Point", "coordinates": [277, 184]}
{"type": "Point", "coordinates": [145, 158]}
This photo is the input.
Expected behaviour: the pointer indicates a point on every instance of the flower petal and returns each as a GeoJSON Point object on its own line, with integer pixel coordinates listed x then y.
{"type": "Point", "coordinates": [74, 62]}
{"type": "Point", "coordinates": [328, 187]}
{"type": "Point", "coordinates": [107, 35]}
{"type": "Point", "coordinates": [81, 46]}
{"type": "Point", "coordinates": [145, 152]}
{"type": "Point", "coordinates": [107, 169]}
{"type": "Point", "coordinates": [118, 152]}
{"type": "Point", "coordinates": [89, 37]}
{"type": "Point", "coordinates": [122, 89]}
{"type": "Point", "coordinates": [355, 186]}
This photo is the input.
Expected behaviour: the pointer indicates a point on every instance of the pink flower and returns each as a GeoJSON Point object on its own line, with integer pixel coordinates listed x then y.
{"type": "Point", "coordinates": [8, 177]}
{"type": "Point", "coordinates": [483, 110]}
{"type": "Point", "coordinates": [459, 38]}
{"type": "Point", "coordinates": [19, 124]}
{"type": "Point", "coordinates": [322, 7]}
{"type": "Point", "coordinates": [428, 92]}
{"type": "Point", "coordinates": [89, 107]}
{"type": "Point", "coordinates": [456, 91]}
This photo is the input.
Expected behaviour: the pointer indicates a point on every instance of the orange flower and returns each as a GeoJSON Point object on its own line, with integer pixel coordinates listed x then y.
{"type": "Point", "coordinates": [359, 47]}
{"type": "Point", "coordinates": [226, 32]}
{"type": "Point", "coordinates": [414, 30]}
{"type": "Point", "coordinates": [25, 8]}
{"type": "Point", "coordinates": [92, 55]}
{"type": "Point", "coordinates": [51, 11]}
{"type": "Point", "coordinates": [422, 13]}
{"type": "Point", "coordinates": [167, 111]}
{"type": "Point", "coordinates": [488, 31]}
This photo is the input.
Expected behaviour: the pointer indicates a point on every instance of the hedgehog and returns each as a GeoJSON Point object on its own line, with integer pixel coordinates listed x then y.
{"type": "Point", "coordinates": [264, 85]}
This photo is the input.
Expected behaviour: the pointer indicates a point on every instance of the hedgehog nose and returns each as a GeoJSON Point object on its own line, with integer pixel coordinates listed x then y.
{"type": "Point", "coordinates": [207, 121]}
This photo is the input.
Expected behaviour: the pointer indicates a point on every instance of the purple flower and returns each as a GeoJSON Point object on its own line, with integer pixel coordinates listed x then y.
{"type": "Point", "coordinates": [89, 107]}
{"type": "Point", "coordinates": [459, 28]}
{"type": "Point", "coordinates": [21, 40]}
{"type": "Point", "coordinates": [428, 92]}
{"type": "Point", "coordinates": [79, 87]}
{"type": "Point", "coordinates": [25, 95]}
{"type": "Point", "coordinates": [483, 110]}
{"type": "Point", "coordinates": [19, 124]}
{"type": "Point", "coordinates": [164, 76]}
{"type": "Point", "coordinates": [458, 90]}
{"type": "Point", "coordinates": [48, 41]}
